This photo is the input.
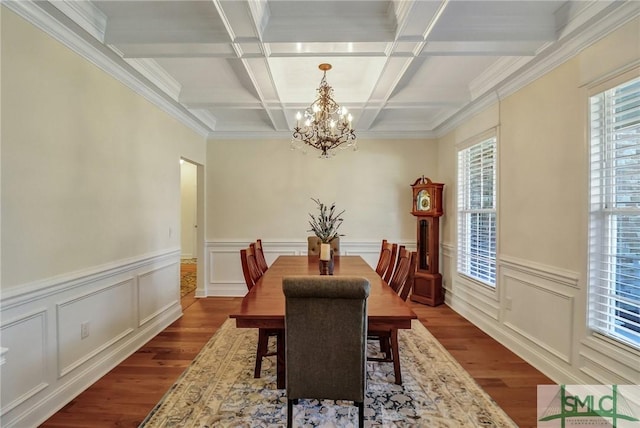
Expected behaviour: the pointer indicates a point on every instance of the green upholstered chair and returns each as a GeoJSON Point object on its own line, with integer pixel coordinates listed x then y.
{"type": "Point", "coordinates": [326, 339]}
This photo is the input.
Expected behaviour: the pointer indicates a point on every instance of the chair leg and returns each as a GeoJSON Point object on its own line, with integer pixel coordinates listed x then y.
{"type": "Point", "coordinates": [360, 414]}
{"type": "Point", "coordinates": [289, 413]}
{"type": "Point", "coordinates": [263, 346]}
{"type": "Point", "coordinates": [396, 356]}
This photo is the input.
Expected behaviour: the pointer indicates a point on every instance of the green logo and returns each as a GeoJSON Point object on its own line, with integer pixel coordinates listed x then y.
{"type": "Point", "coordinates": [588, 404]}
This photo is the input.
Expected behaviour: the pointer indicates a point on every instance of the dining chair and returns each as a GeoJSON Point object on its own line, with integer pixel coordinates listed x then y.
{"type": "Point", "coordinates": [325, 336]}
{"type": "Point", "coordinates": [388, 339]}
{"type": "Point", "coordinates": [408, 284]}
{"type": "Point", "coordinates": [252, 275]}
{"type": "Point", "coordinates": [250, 268]}
{"type": "Point", "coordinates": [259, 251]}
{"type": "Point", "coordinates": [401, 269]}
{"type": "Point", "coordinates": [392, 262]}
{"type": "Point", "coordinates": [385, 258]}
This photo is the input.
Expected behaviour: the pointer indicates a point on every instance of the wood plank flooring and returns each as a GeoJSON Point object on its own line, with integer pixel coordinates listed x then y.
{"type": "Point", "coordinates": [125, 395]}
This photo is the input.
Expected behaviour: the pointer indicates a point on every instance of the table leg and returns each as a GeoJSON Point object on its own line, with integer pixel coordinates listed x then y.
{"type": "Point", "coordinates": [396, 355]}
{"type": "Point", "coordinates": [280, 361]}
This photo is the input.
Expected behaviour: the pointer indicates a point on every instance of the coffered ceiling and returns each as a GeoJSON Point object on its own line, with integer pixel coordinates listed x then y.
{"type": "Point", "coordinates": [404, 68]}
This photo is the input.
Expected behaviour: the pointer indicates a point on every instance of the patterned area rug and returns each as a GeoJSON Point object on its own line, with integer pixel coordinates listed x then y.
{"type": "Point", "coordinates": [218, 390]}
{"type": "Point", "coordinates": [187, 276]}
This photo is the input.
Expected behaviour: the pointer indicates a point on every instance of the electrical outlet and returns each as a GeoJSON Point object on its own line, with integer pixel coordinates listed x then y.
{"type": "Point", "coordinates": [508, 302]}
{"type": "Point", "coordinates": [84, 330]}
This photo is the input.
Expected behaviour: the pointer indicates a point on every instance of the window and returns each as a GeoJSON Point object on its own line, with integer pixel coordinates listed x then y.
{"type": "Point", "coordinates": [614, 222]}
{"type": "Point", "coordinates": [477, 211]}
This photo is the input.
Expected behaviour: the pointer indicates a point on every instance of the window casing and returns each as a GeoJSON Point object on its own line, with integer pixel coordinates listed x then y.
{"type": "Point", "coordinates": [477, 211]}
{"type": "Point", "coordinates": [614, 220]}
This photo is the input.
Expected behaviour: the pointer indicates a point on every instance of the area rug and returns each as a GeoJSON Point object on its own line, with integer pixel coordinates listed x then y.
{"type": "Point", "coordinates": [187, 276]}
{"type": "Point", "coordinates": [218, 390]}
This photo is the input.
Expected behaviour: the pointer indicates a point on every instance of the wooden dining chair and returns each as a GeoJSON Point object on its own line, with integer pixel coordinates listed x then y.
{"type": "Point", "coordinates": [250, 268]}
{"type": "Point", "coordinates": [325, 330]}
{"type": "Point", "coordinates": [252, 275]}
{"type": "Point", "coordinates": [401, 269]}
{"type": "Point", "coordinates": [392, 263]}
{"type": "Point", "coordinates": [385, 260]}
{"type": "Point", "coordinates": [388, 339]}
{"type": "Point", "coordinates": [408, 284]}
{"type": "Point", "coordinates": [259, 252]}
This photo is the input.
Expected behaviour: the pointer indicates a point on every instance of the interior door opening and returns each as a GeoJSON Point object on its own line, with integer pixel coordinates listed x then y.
{"type": "Point", "coordinates": [188, 228]}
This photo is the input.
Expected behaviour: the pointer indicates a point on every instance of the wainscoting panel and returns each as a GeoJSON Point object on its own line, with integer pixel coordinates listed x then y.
{"type": "Point", "coordinates": [609, 362]}
{"type": "Point", "coordinates": [539, 312]}
{"type": "Point", "coordinates": [103, 328]}
{"type": "Point", "coordinates": [225, 272]}
{"type": "Point", "coordinates": [157, 291]}
{"type": "Point", "coordinates": [47, 363]}
{"type": "Point", "coordinates": [24, 372]}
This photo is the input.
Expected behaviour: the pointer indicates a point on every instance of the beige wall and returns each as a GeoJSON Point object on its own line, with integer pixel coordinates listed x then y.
{"type": "Point", "coordinates": [264, 189]}
{"type": "Point", "coordinates": [90, 171]}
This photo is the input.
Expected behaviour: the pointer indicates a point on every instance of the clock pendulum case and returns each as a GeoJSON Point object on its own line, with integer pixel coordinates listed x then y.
{"type": "Point", "coordinates": [427, 208]}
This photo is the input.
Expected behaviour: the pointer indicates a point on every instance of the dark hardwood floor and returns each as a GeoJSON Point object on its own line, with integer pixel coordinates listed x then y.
{"type": "Point", "coordinates": [125, 395]}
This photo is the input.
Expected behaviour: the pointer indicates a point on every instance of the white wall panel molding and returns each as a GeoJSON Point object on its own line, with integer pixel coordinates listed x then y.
{"type": "Point", "coordinates": [24, 373]}
{"type": "Point", "coordinates": [469, 294]}
{"type": "Point", "coordinates": [530, 352]}
{"type": "Point", "coordinates": [550, 273]}
{"type": "Point", "coordinates": [48, 362]}
{"type": "Point", "coordinates": [20, 295]}
{"type": "Point", "coordinates": [103, 328]}
{"type": "Point", "coordinates": [157, 291]}
{"type": "Point", "coordinates": [447, 249]}
{"type": "Point", "coordinates": [534, 310]}
{"type": "Point", "coordinates": [601, 356]}
{"type": "Point", "coordinates": [531, 301]}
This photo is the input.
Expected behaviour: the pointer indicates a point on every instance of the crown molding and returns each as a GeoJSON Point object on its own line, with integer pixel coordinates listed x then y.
{"type": "Point", "coordinates": [86, 15]}
{"type": "Point", "coordinates": [104, 58]}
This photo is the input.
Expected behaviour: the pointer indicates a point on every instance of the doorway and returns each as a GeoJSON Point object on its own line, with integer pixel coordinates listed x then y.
{"type": "Point", "coordinates": [188, 229]}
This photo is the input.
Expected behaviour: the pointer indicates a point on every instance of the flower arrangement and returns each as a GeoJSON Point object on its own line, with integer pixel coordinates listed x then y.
{"type": "Point", "coordinates": [326, 224]}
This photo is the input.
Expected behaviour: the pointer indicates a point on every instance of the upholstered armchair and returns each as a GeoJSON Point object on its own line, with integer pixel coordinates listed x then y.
{"type": "Point", "coordinates": [313, 245]}
{"type": "Point", "coordinates": [325, 336]}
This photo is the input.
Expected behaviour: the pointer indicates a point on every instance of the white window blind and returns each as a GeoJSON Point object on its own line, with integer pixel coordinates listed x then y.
{"type": "Point", "coordinates": [614, 225]}
{"type": "Point", "coordinates": [477, 211]}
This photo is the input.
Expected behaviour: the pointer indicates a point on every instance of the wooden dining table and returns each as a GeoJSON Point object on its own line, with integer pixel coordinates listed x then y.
{"type": "Point", "coordinates": [264, 304]}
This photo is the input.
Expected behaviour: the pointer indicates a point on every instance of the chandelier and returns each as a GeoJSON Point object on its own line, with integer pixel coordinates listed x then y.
{"type": "Point", "coordinates": [324, 125]}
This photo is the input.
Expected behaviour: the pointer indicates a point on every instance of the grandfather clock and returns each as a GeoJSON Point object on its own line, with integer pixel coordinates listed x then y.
{"type": "Point", "coordinates": [427, 207]}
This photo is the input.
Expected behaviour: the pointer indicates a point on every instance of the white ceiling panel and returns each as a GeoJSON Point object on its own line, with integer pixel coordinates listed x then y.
{"type": "Point", "coordinates": [404, 68]}
{"type": "Point", "coordinates": [352, 78]}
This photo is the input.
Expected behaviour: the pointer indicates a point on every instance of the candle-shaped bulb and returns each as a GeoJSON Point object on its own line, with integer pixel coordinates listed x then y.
{"type": "Point", "coordinates": [298, 116]}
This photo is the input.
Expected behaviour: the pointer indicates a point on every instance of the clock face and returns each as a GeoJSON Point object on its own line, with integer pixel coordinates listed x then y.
{"type": "Point", "coordinates": [423, 202]}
